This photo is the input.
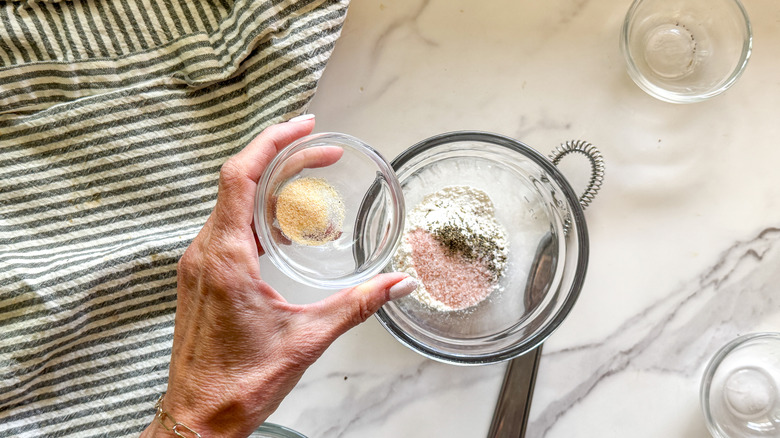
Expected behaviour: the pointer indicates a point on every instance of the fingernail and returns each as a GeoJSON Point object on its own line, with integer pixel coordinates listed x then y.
{"type": "Point", "coordinates": [301, 118]}
{"type": "Point", "coordinates": [403, 288]}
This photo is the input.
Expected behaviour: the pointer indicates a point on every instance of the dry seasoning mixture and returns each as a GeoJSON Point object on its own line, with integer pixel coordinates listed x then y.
{"type": "Point", "coordinates": [454, 245]}
{"type": "Point", "coordinates": [310, 211]}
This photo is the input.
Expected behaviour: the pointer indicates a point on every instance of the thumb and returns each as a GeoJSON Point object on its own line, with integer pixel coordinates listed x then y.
{"type": "Point", "coordinates": [350, 307]}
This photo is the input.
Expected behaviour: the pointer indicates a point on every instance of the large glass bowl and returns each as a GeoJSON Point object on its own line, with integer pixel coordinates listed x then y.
{"type": "Point", "coordinates": [685, 51]}
{"type": "Point", "coordinates": [373, 211]}
{"type": "Point", "coordinates": [548, 249]}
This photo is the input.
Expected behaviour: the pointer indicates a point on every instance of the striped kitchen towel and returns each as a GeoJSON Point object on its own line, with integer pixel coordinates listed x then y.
{"type": "Point", "coordinates": [115, 117]}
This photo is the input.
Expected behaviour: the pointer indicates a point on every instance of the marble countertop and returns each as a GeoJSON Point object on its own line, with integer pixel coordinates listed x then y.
{"type": "Point", "coordinates": [685, 233]}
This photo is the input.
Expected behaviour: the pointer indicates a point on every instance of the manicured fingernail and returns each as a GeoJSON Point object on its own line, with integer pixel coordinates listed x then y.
{"type": "Point", "coordinates": [403, 288]}
{"type": "Point", "coordinates": [302, 118]}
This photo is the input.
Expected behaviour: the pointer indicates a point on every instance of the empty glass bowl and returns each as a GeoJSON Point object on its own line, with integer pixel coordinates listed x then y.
{"type": "Point", "coordinates": [329, 211]}
{"type": "Point", "coordinates": [740, 390]}
{"type": "Point", "coordinates": [686, 51]}
{"type": "Point", "coordinates": [547, 257]}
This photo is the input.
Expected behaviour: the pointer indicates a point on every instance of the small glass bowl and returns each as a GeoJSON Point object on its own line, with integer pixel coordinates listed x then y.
{"type": "Point", "coordinates": [271, 430]}
{"type": "Point", "coordinates": [373, 211]}
{"type": "Point", "coordinates": [547, 241]}
{"type": "Point", "coordinates": [686, 51]}
{"type": "Point", "coordinates": [740, 389]}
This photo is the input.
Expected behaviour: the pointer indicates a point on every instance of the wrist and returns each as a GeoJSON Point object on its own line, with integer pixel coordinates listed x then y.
{"type": "Point", "coordinates": [208, 418]}
{"type": "Point", "coordinates": [165, 424]}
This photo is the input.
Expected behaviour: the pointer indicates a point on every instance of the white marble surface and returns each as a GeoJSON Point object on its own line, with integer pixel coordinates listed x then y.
{"type": "Point", "coordinates": [685, 234]}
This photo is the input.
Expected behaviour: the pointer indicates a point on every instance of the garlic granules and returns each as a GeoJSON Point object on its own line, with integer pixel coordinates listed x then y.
{"type": "Point", "coordinates": [310, 211]}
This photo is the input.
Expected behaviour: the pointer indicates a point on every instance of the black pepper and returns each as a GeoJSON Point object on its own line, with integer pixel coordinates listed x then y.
{"type": "Point", "coordinates": [473, 246]}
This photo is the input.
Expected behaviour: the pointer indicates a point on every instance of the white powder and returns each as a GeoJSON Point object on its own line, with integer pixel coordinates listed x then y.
{"type": "Point", "coordinates": [462, 218]}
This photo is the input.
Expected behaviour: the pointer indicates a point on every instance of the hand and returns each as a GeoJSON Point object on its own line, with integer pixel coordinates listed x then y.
{"type": "Point", "coordinates": [238, 347]}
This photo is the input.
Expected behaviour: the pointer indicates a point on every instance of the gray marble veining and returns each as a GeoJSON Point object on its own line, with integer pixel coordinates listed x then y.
{"type": "Point", "coordinates": [685, 234]}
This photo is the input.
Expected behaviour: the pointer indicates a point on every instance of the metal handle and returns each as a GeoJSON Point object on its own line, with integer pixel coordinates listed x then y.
{"type": "Point", "coordinates": [510, 417]}
{"type": "Point", "coordinates": [596, 165]}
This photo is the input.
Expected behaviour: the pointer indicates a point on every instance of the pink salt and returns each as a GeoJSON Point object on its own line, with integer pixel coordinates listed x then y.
{"type": "Point", "coordinates": [450, 279]}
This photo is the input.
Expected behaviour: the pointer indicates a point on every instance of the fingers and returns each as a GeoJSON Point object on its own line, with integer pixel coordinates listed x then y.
{"type": "Point", "coordinates": [320, 156]}
{"type": "Point", "coordinates": [350, 307]}
{"type": "Point", "coordinates": [239, 175]}
{"type": "Point", "coordinates": [254, 158]}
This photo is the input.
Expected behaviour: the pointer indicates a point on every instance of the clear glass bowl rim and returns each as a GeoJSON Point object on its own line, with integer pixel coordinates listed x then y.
{"type": "Point", "coordinates": [279, 431]}
{"type": "Point", "coordinates": [578, 221]}
{"type": "Point", "coordinates": [712, 367]}
{"type": "Point", "coordinates": [636, 76]}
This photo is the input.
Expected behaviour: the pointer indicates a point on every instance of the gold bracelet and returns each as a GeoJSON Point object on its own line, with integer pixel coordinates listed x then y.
{"type": "Point", "coordinates": [177, 428]}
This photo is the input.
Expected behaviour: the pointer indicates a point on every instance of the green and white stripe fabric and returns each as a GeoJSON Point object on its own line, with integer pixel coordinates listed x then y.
{"type": "Point", "coordinates": [115, 117]}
